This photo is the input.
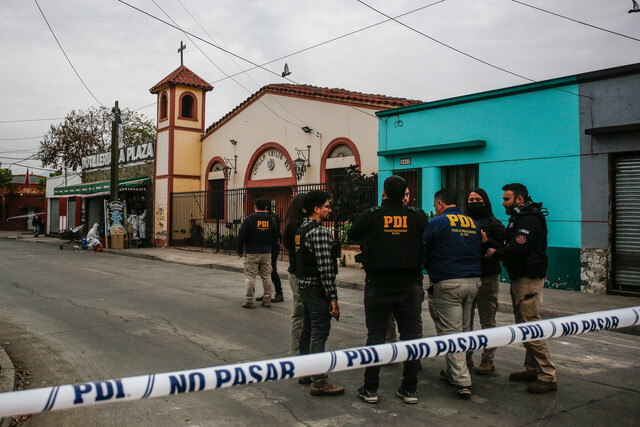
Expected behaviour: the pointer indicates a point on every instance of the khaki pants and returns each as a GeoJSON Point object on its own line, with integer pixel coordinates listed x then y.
{"type": "Point", "coordinates": [487, 303]}
{"type": "Point", "coordinates": [297, 314]}
{"type": "Point", "coordinates": [450, 309]}
{"type": "Point", "coordinates": [254, 264]}
{"type": "Point", "coordinates": [526, 297]}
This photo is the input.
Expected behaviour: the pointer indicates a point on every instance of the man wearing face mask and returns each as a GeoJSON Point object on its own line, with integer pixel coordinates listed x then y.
{"type": "Point", "coordinates": [524, 255]}
{"type": "Point", "coordinates": [479, 208]}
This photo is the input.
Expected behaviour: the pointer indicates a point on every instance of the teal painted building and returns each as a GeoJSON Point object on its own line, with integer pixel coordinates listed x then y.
{"type": "Point", "coordinates": [533, 134]}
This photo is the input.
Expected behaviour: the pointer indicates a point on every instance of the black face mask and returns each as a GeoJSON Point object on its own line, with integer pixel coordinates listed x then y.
{"type": "Point", "coordinates": [477, 209]}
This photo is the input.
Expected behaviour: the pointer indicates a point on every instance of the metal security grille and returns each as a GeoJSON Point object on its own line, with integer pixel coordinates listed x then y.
{"type": "Point", "coordinates": [626, 255]}
{"type": "Point", "coordinates": [192, 224]}
{"type": "Point", "coordinates": [54, 215]}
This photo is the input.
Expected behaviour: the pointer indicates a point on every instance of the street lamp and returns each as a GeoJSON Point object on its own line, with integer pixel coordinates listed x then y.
{"type": "Point", "coordinates": [299, 164]}
{"type": "Point", "coordinates": [227, 173]}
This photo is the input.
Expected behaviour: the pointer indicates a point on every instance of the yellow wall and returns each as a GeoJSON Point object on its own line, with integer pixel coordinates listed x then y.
{"type": "Point", "coordinates": [184, 185]}
{"type": "Point", "coordinates": [187, 153]}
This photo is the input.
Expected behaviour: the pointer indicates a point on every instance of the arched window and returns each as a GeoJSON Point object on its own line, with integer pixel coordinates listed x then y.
{"type": "Point", "coordinates": [163, 106]}
{"type": "Point", "coordinates": [215, 196]}
{"type": "Point", "coordinates": [187, 106]}
{"type": "Point", "coordinates": [337, 170]}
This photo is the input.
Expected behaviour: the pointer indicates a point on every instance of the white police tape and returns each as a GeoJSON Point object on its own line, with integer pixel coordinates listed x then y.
{"type": "Point", "coordinates": [166, 384]}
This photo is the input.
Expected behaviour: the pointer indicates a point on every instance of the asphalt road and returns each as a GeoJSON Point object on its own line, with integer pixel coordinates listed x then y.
{"type": "Point", "coordinates": [74, 316]}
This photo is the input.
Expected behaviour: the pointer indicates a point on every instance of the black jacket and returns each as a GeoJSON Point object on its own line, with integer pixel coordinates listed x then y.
{"type": "Point", "coordinates": [391, 241]}
{"type": "Point", "coordinates": [494, 230]}
{"type": "Point", "coordinates": [258, 233]}
{"type": "Point", "coordinates": [524, 253]}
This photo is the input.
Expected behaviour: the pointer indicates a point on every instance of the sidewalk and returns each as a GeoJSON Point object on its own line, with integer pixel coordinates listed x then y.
{"type": "Point", "coordinates": [557, 303]}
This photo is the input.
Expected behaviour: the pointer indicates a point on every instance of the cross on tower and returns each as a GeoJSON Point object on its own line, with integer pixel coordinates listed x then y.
{"type": "Point", "coordinates": [182, 47]}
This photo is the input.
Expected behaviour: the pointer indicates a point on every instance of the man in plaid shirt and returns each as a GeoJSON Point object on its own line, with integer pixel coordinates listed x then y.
{"type": "Point", "coordinates": [316, 270]}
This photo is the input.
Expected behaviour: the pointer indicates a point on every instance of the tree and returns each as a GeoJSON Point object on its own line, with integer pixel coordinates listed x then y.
{"type": "Point", "coordinates": [5, 177]}
{"type": "Point", "coordinates": [83, 133]}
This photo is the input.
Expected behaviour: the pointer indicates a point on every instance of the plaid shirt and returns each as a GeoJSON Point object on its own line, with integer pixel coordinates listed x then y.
{"type": "Point", "coordinates": [318, 240]}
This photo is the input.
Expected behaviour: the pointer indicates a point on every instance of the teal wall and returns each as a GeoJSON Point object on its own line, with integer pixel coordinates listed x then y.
{"type": "Point", "coordinates": [531, 136]}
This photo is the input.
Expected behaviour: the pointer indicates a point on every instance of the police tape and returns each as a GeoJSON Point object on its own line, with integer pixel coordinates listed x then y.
{"type": "Point", "coordinates": [214, 377]}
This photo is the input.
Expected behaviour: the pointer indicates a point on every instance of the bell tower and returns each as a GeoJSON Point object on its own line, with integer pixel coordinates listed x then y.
{"type": "Point", "coordinates": [181, 105]}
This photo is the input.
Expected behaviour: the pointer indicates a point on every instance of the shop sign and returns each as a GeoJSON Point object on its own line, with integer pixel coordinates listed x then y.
{"type": "Point", "coordinates": [129, 156]}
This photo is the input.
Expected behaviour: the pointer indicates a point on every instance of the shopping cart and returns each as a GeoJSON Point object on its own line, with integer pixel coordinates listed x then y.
{"type": "Point", "coordinates": [73, 235]}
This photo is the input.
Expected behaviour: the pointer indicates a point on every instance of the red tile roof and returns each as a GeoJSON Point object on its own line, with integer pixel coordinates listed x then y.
{"type": "Point", "coordinates": [340, 96]}
{"type": "Point", "coordinates": [182, 76]}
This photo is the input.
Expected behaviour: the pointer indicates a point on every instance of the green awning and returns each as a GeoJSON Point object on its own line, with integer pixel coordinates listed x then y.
{"type": "Point", "coordinates": [102, 187]}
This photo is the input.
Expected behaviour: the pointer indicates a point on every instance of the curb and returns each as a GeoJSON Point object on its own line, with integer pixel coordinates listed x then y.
{"type": "Point", "coordinates": [7, 380]}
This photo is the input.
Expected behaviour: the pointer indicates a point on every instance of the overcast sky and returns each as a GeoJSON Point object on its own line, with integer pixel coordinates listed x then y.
{"type": "Point", "coordinates": [120, 53]}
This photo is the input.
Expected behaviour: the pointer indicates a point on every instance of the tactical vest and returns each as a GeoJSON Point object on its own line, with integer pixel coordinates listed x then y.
{"type": "Point", "coordinates": [394, 240]}
{"type": "Point", "coordinates": [306, 263]}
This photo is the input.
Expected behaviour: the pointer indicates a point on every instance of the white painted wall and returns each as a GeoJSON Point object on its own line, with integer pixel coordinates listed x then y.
{"type": "Point", "coordinates": [257, 125]}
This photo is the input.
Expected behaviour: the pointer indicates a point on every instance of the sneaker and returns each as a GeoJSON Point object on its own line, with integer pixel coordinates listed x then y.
{"type": "Point", "coordinates": [409, 397]}
{"type": "Point", "coordinates": [523, 377]}
{"type": "Point", "coordinates": [265, 303]}
{"type": "Point", "coordinates": [485, 368]}
{"type": "Point", "coordinates": [464, 392]}
{"type": "Point", "coordinates": [304, 380]}
{"type": "Point", "coordinates": [322, 387]}
{"type": "Point", "coordinates": [367, 396]}
{"type": "Point", "coordinates": [445, 376]}
{"type": "Point", "coordinates": [277, 298]}
{"type": "Point", "coordinates": [248, 304]}
{"type": "Point", "coordinates": [542, 386]}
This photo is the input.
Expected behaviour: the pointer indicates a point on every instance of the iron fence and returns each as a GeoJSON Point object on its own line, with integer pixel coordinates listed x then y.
{"type": "Point", "coordinates": [211, 219]}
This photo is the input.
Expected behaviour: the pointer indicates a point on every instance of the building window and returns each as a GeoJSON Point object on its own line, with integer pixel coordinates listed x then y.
{"type": "Point", "coordinates": [414, 182]}
{"type": "Point", "coordinates": [215, 195]}
{"type": "Point", "coordinates": [187, 106]}
{"type": "Point", "coordinates": [163, 106]}
{"type": "Point", "coordinates": [339, 159]}
{"type": "Point", "coordinates": [460, 180]}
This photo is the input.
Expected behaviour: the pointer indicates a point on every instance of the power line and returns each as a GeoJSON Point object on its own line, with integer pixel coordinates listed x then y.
{"type": "Point", "coordinates": [575, 20]}
{"type": "Point", "coordinates": [475, 58]}
{"type": "Point", "coordinates": [197, 37]}
{"type": "Point", "coordinates": [333, 39]}
{"type": "Point", "coordinates": [248, 75]}
{"type": "Point", "coordinates": [31, 120]}
{"type": "Point", "coordinates": [65, 54]}
{"type": "Point", "coordinates": [21, 139]}
{"type": "Point", "coordinates": [216, 65]}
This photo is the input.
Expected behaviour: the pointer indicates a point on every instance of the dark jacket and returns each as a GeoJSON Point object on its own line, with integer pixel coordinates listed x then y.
{"type": "Point", "coordinates": [524, 253]}
{"type": "Point", "coordinates": [390, 239]}
{"type": "Point", "coordinates": [258, 234]}
{"type": "Point", "coordinates": [452, 245]}
{"type": "Point", "coordinates": [288, 241]}
{"type": "Point", "coordinates": [494, 230]}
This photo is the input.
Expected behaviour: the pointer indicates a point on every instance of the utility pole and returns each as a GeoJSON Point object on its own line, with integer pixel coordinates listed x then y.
{"type": "Point", "coordinates": [115, 154]}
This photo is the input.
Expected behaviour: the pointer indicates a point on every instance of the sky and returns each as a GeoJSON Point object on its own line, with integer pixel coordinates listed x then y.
{"type": "Point", "coordinates": [120, 53]}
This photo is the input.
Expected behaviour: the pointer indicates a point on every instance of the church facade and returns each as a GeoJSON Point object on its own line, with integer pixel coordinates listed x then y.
{"type": "Point", "coordinates": [282, 136]}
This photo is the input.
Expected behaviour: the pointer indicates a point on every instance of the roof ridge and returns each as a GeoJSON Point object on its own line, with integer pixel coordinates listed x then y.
{"type": "Point", "coordinates": [183, 76]}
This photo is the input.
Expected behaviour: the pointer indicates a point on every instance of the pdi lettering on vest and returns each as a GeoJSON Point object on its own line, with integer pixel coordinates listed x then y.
{"type": "Point", "coordinates": [104, 391]}
{"type": "Point", "coordinates": [364, 356]}
{"type": "Point", "coordinates": [464, 221]}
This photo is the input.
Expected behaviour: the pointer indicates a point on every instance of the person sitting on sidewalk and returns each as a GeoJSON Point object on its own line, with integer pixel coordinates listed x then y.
{"type": "Point", "coordinates": [256, 237]}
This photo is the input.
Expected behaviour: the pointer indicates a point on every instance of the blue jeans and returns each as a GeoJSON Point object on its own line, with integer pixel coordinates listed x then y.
{"type": "Point", "coordinates": [36, 230]}
{"type": "Point", "coordinates": [317, 321]}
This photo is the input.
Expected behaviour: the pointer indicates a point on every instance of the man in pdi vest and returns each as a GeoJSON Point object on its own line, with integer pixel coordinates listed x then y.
{"type": "Point", "coordinates": [524, 254]}
{"type": "Point", "coordinates": [453, 245]}
{"type": "Point", "coordinates": [391, 242]}
{"type": "Point", "coordinates": [257, 235]}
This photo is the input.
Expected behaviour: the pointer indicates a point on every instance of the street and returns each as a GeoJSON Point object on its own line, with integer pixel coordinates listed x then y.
{"type": "Point", "coordinates": [74, 316]}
